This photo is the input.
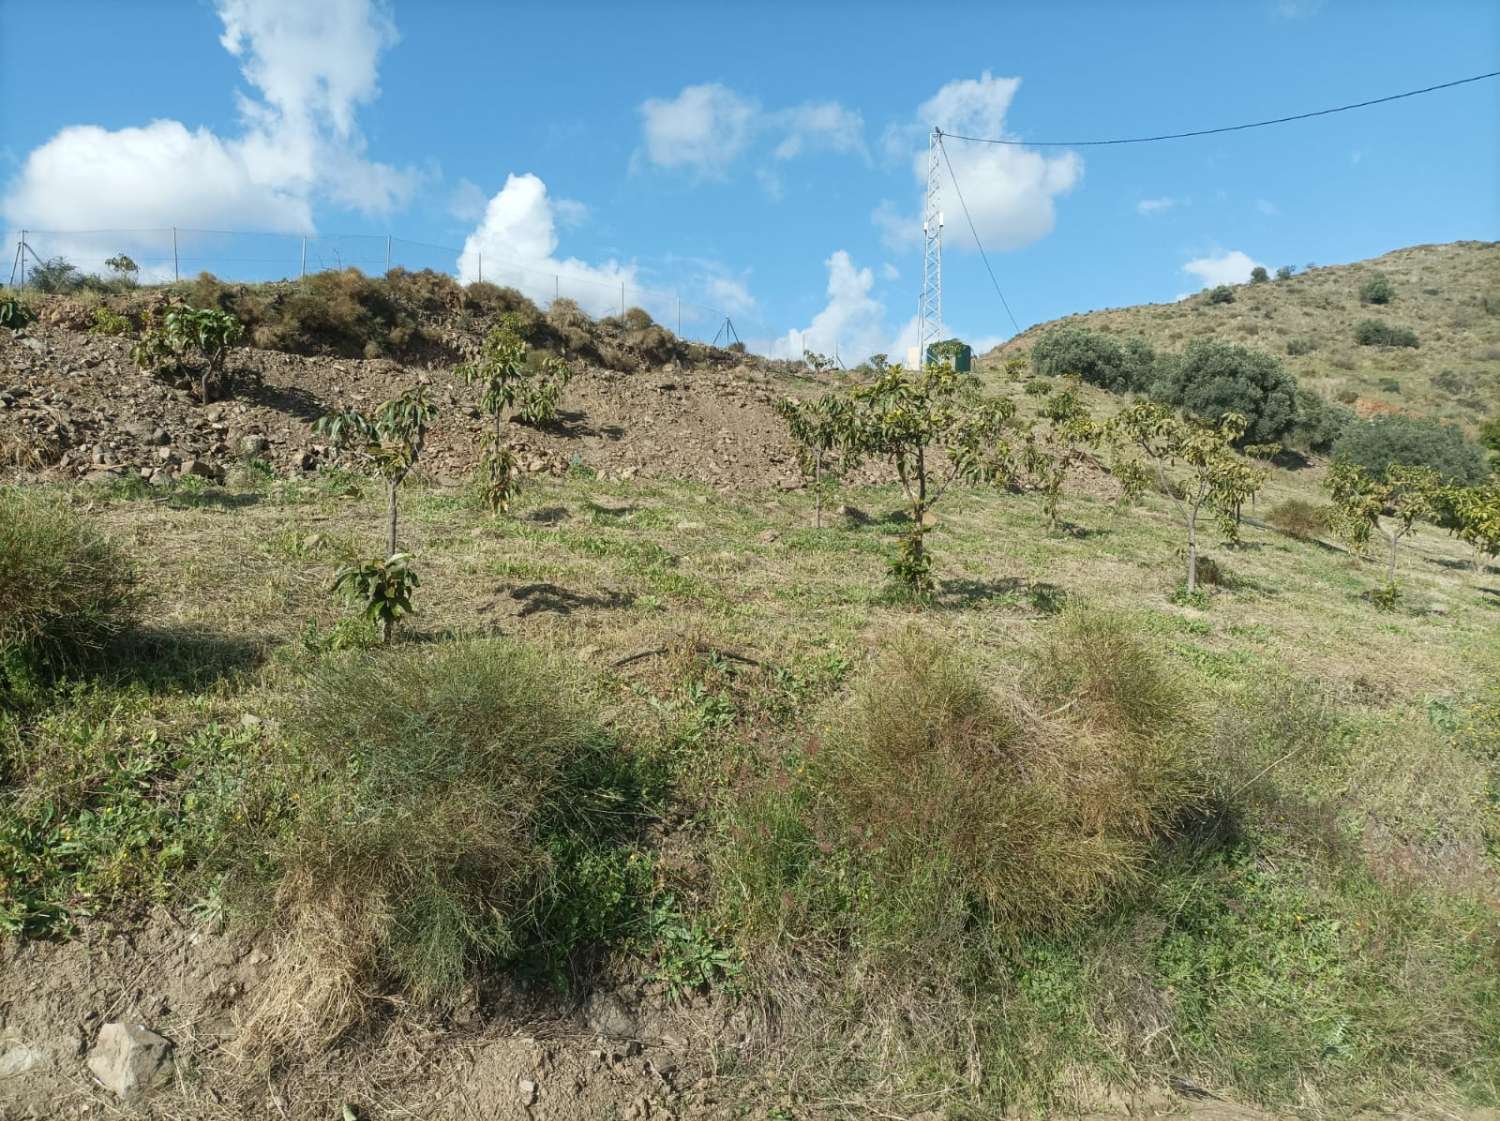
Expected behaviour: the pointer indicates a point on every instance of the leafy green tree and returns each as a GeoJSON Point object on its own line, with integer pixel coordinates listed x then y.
{"type": "Point", "coordinates": [188, 334]}
{"type": "Point", "coordinates": [1319, 423]}
{"type": "Point", "coordinates": [1285, 272]}
{"type": "Point", "coordinates": [934, 427]}
{"type": "Point", "coordinates": [1213, 379]}
{"type": "Point", "coordinates": [1489, 437]}
{"type": "Point", "coordinates": [1381, 441]}
{"type": "Point", "coordinates": [1372, 332]}
{"type": "Point", "coordinates": [512, 384]}
{"type": "Point", "coordinates": [1475, 518]}
{"type": "Point", "coordinates": [1061, 439]}
{"type": "Point", "coordinates": [824, 433]}
{"type": "Point", "coordinates": [391, 440]}
{"type": "Point", "coordinates": [1194, 464]}
{"type": "Point", "coordinates": [123, 267]}
{"type": "Point", "coordinates": [1377, 289]}
{"type": "Point", "coordinates": [1221, 294]}
{"type": "Point", "coordinates": [1389, 504]}
{"type": "Point", "coordinates": [1094, 357]}
{"type": "Point", "coordinates": [54, 276]}
{"type": "Point", "coordinates": [1259, 275]}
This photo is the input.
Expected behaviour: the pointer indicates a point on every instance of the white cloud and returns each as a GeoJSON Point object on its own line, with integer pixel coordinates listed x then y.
{"type": "Point", "coordinates": [1268, 208]}
{"type": "Point", "coordinates": [889, 271]}
{"type": "Point", "coordinates": [851, 324]}
{"type": "Point", "coordinates": [1148, 207]}
{"type": "Point", "coordinates": [312, 67]}
{"type": "Point", "coordinates": [1232, 267]}
{"type": "Point", "coordinates": [706, 128]}
{"type": "Point", "coordinates": [515, 244]}
{"type": "Point", "coordinates": [1010, 190]}
{"type": "Point", "coordinates": [730, 294]}
{"type": "Point", "coordinates": [703, 128]}
{"type": "Point", "coordinates": [467, 201]}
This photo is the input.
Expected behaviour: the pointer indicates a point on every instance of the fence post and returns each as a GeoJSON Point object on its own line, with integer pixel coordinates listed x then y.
{"type": "Point", "coordinates": [302, 272]}
{"type": "Point", "coordinates": [679, 315]}
{"type": "Point", "coordinates": [480, 255]}
{"type": "Point", "coordinates": [175, 274]}
{"type": "Point", "coordinates": [24, 248]}
{"type": "Point", "coordinates": [556, 288]}
{"type": "Point", "coordinates": [387, 252]}
{"type": "Point", "coordinates": [622, 298]}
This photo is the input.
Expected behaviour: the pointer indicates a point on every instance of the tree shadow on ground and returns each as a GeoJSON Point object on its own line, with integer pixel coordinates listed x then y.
{"type": "Point", "coordinates": [961, 594]}
{"type": "Point", "coordinates": [289, 399]}
{"type": "Point", "coordinates": [217, 499]}
{"type": "Point", "coordinates": [549, 515]}
{"type": "Point", "coordinates": [170, 659]}
{"type": "Point", "coordinates": [548, 597]}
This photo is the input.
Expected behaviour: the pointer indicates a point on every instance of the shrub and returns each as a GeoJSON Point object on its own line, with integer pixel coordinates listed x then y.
{"type": "Point", "coordinates": [54, 276]}
{"type": "Point", "coordinates": [456, 810]}
{"type": "Point", "coordinates": [67, 590]}
{"type": "Point", "coordinates": [1285, 272]}
{"type": "Point", "coordinates": [638, 319]}
{"type": "Point", "coordinates": [1259, 275]}
{"type": "Point", "coordinates": [1221, 294]}
{"type": "Point", "coordinates": [1372, 332]}
{"type": "Point", "coordinates": [937, 818]}
{"type": "Point", "coordinates": [1095, 358]}
{"type": "Point", "coordinates": [1297, 347]}
{"type": "Point", "coordinates": [107, 322]}
{"type": "Point", "coordinates": [1389, 385]}
{"type": "Point", "coordinates": [15, 314]}
{"type": "Point", "coordinates": [1377, 289]}
{"type": "Point", "coordinates": [1381, 441]}
{"type": "Point", "coordinates": [1319, 423]}
{"type": "Point", "coordinates": [1213, 379]}
{"type": "Point", "coordinates": [1298, 518]}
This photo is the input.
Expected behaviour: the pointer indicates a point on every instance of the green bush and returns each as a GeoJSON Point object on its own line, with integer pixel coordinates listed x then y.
{"type": "Point", "coordinates": [15, 313]}
{"type": "Point", "coordinates": [1377, 289]}
{"type": "Point", "coordinates": [1319, 423]}
{"type": "Point", "coordinates": [1221, 294]}
{"type": "Point", "coordinates": [1259, 275]}
{"type": "Point", "coordinates": [1298, 347]}
{"type": "Point", "coordinates": [1372, 332]}
{"type": "Point", "coordinates": [54, 276]}
{"type": "Point", "coordinates": [456, 810]}
{"type": "Point", "coordinates": [1212, 379]}
{"type": "Point", "coordinates": [1285, 272]}
{"type": "Point", "coordinates": [1094, 357]}
{"type": "Point", "coordinates": [66, 589]}
{"type": "Point", "coordinates": [1377, 443]}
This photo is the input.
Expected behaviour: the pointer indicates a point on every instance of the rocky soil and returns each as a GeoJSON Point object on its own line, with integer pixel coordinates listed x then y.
{"type": "Point", "coordinates": [73, 405]}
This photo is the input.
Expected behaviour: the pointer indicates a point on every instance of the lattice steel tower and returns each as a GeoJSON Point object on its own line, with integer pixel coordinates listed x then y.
{"type": "Point", "coordinates": [930, 306]}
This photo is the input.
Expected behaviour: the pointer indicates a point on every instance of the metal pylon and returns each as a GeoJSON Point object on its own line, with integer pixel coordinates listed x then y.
{"type": "Point", "coordinates": [930, 308]}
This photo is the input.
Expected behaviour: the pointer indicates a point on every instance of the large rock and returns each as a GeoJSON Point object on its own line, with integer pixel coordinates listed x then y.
{"type": "Point", "coordinates": [129, 1059]}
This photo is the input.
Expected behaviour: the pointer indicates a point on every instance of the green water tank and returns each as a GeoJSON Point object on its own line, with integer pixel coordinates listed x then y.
{"type": "Point", "coordinates": [952, 352]}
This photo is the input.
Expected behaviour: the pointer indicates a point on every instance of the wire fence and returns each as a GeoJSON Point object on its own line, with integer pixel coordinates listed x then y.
{"type": "Point", "coordinates": [173, 254]}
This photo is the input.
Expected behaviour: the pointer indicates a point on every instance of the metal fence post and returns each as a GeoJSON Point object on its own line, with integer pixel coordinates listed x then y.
{"type": "Point", "coordinates": [24, 249]}
{"type": "Point", "coordinates": [175, 274]}
{"type": "Point", "coordinates": [556, 288]}
{"type": "Point", "coordinates": [387, 252]}
{"type": "Point", "coordinates": [480, 255]}
{"type": "Point", "coordinates": [622, 298]}
{"type": "Point", "coordinates": [302, 274]}
{"type": "Point", "coordinates": [679, 315]}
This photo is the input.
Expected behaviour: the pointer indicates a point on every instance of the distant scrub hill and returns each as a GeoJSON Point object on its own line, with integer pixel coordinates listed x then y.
{"type": "Point", "coordinates": [1416, 331]}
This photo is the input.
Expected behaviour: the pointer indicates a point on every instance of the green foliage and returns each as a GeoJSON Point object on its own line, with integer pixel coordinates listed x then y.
{"type": "Point", "coordinates": [1259, 275]}
{"type": "Point", "coordinates": [1299, 518]}
{"type": "Point", "coordinates": [1475, 516]}
{"type": "Point", "coordinates": [1285, 272]}
{"type": "Point", "coordinates": [1214, 379]}
{"type": "Point", "coordinates": [1381, 441]}
{"type": "Point", "coordinates": [826, 439]}
{"type": "Point", "coordinates": [189, 334]}
{"type": "Point", "coordinates": [1297, 347]}
{"type": "Point", "coordinates": [54, 276]}
{"type": "Point", "coordinates": [1221, 294]}
{"type": "Point", "coordinates": [512, 383]}
{"type": "Point", "coordinates": [1061, 439]}
{"type": "Point", "coordinates": [1377, 289]}
{"type": "Point", "coordinates": [1195, 467]}
{"type": "Point", "coordinates": [1373, 332]}
{"type": "Point", "coordinates": [107, 322]}
{"type": "Point", "coordinates": [1096, 358]}
{"type": "Point", "coordinates": [123, 267]}
{"type": "Point", "coordinates": [456, 810]}
{"type": "Point", "coordinates": [67, 590]}
{"type": "Point", "coordinates": [1390, 503]}
{"type": "Point", "coordinates": [1489, 438]}
{"type": "Point", "coordinates": [15, 313]}
{"type": "Point", "coordinates": [383, 586]}
{"type": "Point", "coordinates": [903, 416]}
{"type": "Point", "coordinates": [1319, 423]}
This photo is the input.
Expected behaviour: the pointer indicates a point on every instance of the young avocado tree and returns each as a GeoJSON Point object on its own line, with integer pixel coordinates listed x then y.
{"type": "Point", "coordinates": [511, 385]}
{"type": "Point", "coordinates": [1389, 504]}
{"type": "Point", "coordinates": [1062, 438]}
{"type": "Point", "coordinates": [1475, 518]}
{"type": "Point", "coordinates": [823, 432]}
{"type": "Point", "coordinates": [934, 427]}
{"type": "Point", "coordinates": [391, 441]}
{"type": "Point", "coordinates": [1195, 465]}
{"type": "Point", "coordinates": [190, 335]}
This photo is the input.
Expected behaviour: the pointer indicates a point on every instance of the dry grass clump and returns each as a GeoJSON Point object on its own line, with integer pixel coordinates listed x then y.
{"type": "Point", "coordinates": [67, 590]}
{"type": "Point", "coordinates": [436, 792]}
{"type": "Point", "coordinates": [1296, 517]}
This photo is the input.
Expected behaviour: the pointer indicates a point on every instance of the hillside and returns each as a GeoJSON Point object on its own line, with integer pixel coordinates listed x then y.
{"type": "Point", "coordinates": [1448, 294]}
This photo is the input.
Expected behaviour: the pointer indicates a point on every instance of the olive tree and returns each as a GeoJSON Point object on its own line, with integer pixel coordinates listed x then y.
{"type": "Point", "coordinates": [513, 383]}
{"type": "Point", "coordinates": [188, 334]}
{"type": "Point", "coordinates": [1195, 466]}
{"type": "Point", "coordinates": [1389, 504]}
{"type": "Point", "coordinates": [1213, 379]}
{"type": "Point", "coordinates": [934, 427]}
{"type": "Point", "coordinates": [824, 435]}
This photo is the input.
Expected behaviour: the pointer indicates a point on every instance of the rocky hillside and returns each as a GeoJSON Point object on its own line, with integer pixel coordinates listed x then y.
{"type": "Point", "coordinates": [1449, 295]}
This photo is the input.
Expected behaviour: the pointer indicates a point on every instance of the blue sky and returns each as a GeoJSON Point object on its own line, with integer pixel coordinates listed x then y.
{"type": "Point", "coordinates": [761, 159]}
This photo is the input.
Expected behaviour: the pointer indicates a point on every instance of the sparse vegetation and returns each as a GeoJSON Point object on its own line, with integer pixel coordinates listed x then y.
{"type": "Point", "coordinates": [1221, 294]}
{"type": "Point", "coordinates": [189, 335]}
{"type": "Point", "coordinates": [826, 438]}
{"type": "Point", "coordinates": [1296, 517]}
{"type": "Point", "coordinates": [1378, 289]}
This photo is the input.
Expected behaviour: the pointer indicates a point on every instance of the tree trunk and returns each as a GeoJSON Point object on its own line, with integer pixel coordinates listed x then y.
{"type": "Point", "coordinates": [390, 517]}
{"type": "Point", "coordinates": [385, 631]}
{"type": "Point", "coordinates": [817, 488]}
{"type": "Point", "coordinates": [1390, 576]}
{"type": "Point", "coordinates": [1192, 556]}
{"type": "Point", "coordinates": [920, 508]}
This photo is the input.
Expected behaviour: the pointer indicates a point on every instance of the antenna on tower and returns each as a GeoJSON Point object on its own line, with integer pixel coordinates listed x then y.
{"type": "Point", "coordinates": [930, 306]}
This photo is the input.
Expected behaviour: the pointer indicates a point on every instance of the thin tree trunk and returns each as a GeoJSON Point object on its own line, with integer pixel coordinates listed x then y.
{"type": "Point", "coordinates": [817, 488]}
{"type": "Point", "coordinates": [1192, 556]}
{"type": "Point", "coordinates": [390, 517]}
{"type": "Point", "coordinates": [1390, 577]}
{"type": "Point", "coordinates": [920, 553]}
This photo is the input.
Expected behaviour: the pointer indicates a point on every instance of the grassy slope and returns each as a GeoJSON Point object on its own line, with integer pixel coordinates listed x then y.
{"type": "Point", "coordinates": [1454, 374]}
{"type": "Point", "coordinates": [237, 578]}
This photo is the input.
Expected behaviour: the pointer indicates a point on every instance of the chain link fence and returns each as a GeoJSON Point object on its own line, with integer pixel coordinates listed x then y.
{"type": "Point", "coordinates": [166, 255]}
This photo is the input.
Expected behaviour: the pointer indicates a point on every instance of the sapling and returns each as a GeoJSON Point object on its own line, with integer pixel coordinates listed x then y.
{"type": "Point", "coordinates": [385, 586]}
{"type": "Point", "coordinates": [1475, 515]}
{"type": "Point", "coordinates": [511, 384]}
{"type": "Point", "coordinates": [823, 432]}
{"type": "Point", "coordinates": [201, 334]}
{"type": "Point", "coordinates": [1195, 466]}
{"type": "Point", "coordinates": [1061, 439]}
{"type": "Point", "coordinates": [1389, 504]}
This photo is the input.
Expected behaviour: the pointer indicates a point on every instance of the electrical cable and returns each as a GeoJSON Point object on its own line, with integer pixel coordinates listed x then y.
{"type": "Point", "coordinates": [1225, 128]}
{"type": "Point", "coordinates": [985, 257]}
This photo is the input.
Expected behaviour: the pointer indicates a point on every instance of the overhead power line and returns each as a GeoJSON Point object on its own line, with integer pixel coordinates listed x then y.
{"type": "Point", "coordinates": [985, 257]}
{"type": "Point", "coordinates": [1224, 128]}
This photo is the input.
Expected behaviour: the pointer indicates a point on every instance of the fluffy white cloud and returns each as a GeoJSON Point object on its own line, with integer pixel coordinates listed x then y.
{"type": "Point", "coordinates": [515, 244]}
{"type": "Point", "coordinates": [1010, 190]}
{"type": "Point", "coordinates": [1232, 267]}
{"type": "Point", "coordinates": [703, 128]}
{"type": "Point", "coordinates": [312, 66]}
{"type": "Point", "coordinates": [851, 324]}
{"type": "Point", "coordinates": [706, 128]}
{"type": "Point", "coordinates": [1148, 207]}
